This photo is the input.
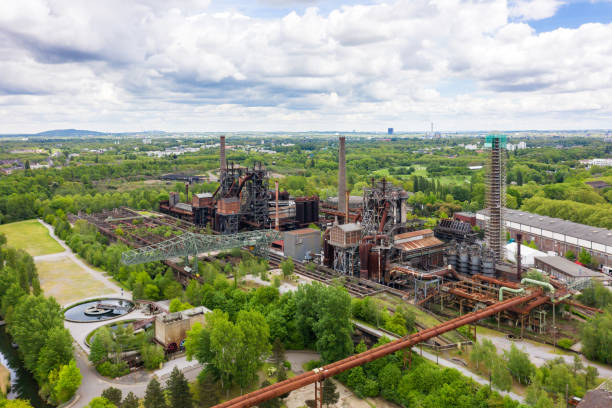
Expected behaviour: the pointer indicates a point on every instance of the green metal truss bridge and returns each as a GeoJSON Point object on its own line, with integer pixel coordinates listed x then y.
{"type": "Point", "coordinates": [190, 244]}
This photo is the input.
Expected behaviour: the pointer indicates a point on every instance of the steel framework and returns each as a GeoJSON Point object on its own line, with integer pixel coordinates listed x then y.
{"type": "Point", "coordinates": [496, 193]}
{"type": "Point", "coordinates": [190, 244]}
{"type": "Point", "coordinates": [255, 206]}
{"type": "Point", "coordinates": [382, 209]}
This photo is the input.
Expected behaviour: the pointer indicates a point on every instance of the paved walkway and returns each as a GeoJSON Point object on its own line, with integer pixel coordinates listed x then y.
{"type": "Point", "coordinates": [93, 383]}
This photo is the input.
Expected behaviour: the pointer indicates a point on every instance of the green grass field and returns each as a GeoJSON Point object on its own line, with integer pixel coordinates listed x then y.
{"type": "Point", "coordinates": [67, 282]}
{"type": "Point", "coordinates": [30, 236]}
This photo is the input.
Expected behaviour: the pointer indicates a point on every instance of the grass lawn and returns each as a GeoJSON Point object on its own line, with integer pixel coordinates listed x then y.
{"type": "Point", "coordinates": [67, 282]}
{"type": "Point", "coordinates": [30, 236]}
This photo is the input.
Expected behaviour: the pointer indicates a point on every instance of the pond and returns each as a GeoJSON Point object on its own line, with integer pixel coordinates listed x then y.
{"type": "Point", "coordinates": [23, 384]}
{"type": "Point", "coordinates": [98, 310]}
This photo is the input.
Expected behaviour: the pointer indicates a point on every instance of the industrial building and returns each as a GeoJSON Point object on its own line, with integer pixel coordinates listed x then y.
{"type": "Point", "coordinates": [302, 244]}
{"type": "Point", "coordinates": [565, 270]}
{"type": "Point", "coordinates": [171, 328]}
{"type": "Point", "coordinates": [555, 234]}
{"type": "Point", "coordinates": [243, 201]}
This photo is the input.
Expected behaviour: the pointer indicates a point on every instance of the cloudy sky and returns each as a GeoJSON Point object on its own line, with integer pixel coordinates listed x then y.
{"type": "Point", "coordinates": [296, 65]}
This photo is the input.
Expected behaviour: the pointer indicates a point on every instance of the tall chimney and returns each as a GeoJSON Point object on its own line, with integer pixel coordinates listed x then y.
{"type": "Point", "coordinates": [187, 192]}
{"type": "Point", "coordinates": [223, 164]}
{"type": "Point", "coordinates": [342, 203]}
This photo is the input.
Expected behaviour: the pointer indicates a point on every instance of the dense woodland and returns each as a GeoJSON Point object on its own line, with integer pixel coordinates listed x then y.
{"type": "Point", "coordinates": [36, 324]}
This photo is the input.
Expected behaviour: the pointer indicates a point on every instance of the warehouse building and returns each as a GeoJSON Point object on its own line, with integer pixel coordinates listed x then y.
{"type": "Point", "coordinates": [564, 269]}
{"type": "Point", "coordinates": [555, 234]}
{"type": "Point", "coordinates": [171, 328]}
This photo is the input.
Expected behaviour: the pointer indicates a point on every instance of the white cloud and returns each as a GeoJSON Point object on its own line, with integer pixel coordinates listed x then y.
{"type": "Point", "coordinates": [118, 65]}
{"type": "Point", "coordinates": [534, 9]}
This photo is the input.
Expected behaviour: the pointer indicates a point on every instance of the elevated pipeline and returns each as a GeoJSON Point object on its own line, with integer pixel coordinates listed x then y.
{"type": "Point", "coordinates": [319, 374]}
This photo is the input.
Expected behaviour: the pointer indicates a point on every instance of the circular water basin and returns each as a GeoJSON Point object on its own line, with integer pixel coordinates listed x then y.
{"type": "Point", "coordinates": [98, 310]}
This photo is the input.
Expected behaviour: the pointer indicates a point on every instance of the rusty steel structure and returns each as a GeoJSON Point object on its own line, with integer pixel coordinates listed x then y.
{"type": "Point", "coordinates": [319, 374]}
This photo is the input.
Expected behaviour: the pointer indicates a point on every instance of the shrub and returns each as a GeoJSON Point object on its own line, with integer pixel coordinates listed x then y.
{"type": "Point", "coordinates": [312, 364]}
{"type": "Point", "coordinates": [108, 369]}
{"type": "Point", "coordinates": [565, 343]}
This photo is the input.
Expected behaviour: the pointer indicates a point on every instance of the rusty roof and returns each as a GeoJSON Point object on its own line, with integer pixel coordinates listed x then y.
{"type": "Point", "coordinates": [412, 234]}
{"type": "Point", "coordinates": [427, 242]}
{"type": "Point", "coordinates": [304, 231]}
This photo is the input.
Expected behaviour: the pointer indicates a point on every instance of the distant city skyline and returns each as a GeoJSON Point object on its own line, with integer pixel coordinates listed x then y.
{"type": "Point", "coordinates": [300, 65]}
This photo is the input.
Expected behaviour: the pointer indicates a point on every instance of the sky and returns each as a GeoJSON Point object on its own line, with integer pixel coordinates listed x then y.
{"type": "Point", "coordinates": [305, 65]}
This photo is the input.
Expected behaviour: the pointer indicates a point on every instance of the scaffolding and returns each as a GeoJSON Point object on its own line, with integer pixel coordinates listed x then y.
{"type": "Point", "coordinates": [496, 193]}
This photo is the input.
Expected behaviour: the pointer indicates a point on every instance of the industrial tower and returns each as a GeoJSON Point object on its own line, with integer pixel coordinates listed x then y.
{"type": "Point", "coordinates": [496, 193]}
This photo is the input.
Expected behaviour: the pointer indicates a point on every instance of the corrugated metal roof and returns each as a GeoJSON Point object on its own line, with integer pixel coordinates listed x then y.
{"type": "Point", "coordinates": [567, 267]}
{"type": "Point", "coordinates": [427, 242]}
{"type": "Point", "coordinates": [183, 206]}
{"type": "Point", "coordinates": [204, 195]}
{"type": "Point", "coordinates": [411, 234]}
{"type": "Point", "coordinates": [595, 234]}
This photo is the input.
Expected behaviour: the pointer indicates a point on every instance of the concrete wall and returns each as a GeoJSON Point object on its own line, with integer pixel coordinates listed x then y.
{"type": "Point", "coordinates": [175, 331]}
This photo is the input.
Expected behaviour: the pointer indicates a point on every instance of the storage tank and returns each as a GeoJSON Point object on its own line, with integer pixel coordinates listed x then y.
{"type": "Point", "coordinates": [464, 258]}
{"type": "Point", "coordinates": [452, 255]}
{"type": "Point", "coordinates": [475, 260]}
{"type": "Point", "coordinates": [488, 263]}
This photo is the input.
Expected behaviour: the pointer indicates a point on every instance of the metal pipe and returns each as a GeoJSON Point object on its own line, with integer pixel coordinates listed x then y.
{"type": "Point", "coordinates": [507, 289]}
{"type": "Point", "coordinates": [539, 283]}
{"type": "Point", "coordinates": [319, 374]}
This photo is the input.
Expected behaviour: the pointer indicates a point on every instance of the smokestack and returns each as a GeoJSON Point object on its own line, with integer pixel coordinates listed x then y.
{"type": "Point", "coordinates": [187, 192]}
{"type": "Point", "coordinates": [342, 202]}
{"type": "Point", "coordinates": [348, 202]}
{"type": "Point", "coordinates": [223, 165]}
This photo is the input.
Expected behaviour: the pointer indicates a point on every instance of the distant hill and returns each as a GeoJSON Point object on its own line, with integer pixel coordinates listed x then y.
{"type": "Point", "coordinates": [69, 132]}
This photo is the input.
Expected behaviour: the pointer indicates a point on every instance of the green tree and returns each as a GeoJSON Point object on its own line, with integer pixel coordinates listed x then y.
{"type": "Point", "coordinates": [519, 365]}
{"type": "Point", "coordinates": [254, 346]}
{"type": "Point", "coordinates": [152, 355]}
{"type": "Point", "coordinates": [98, 352]}
{"type": "Point", "coordinates": [278, 353]}
{"type": "Point", "coordinates": [287, 267]}
{"type": "Point", "coordinates": [100, 402]}
{"type": "Point", "coordinates": [585, 258]}
{"type": "Point", "coordinates": [178, 390]}
{"type": "Point", "coordinates": [388, 379]}
{"type": "Point", "coordinates": [500, 376]}
{"type": "Point", "coordinates": [590, 377]}
{"type": "Point", "coordinates": [154, 396]}
{"type": "Point", "coordinates": [482, 352]}
{"type": "Point", "coordinates": [570, 255]}
{"type": "Point", "coordinates": [113, 394]}
{"type": "Point", "coordinates": [56, 352]}
{"type": "Point", "coordinates": [333, 327]}
{"type": "Point", "coordinates": [32, 319]}
{"type": "Point", "coordinates": [68, 381]}
{"type": "Point", "coordinates": [130, 401]}
{"type": "Point", "coordinates": [206, 390]}
{"type": "Point", "coordinates": [329, 395]}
